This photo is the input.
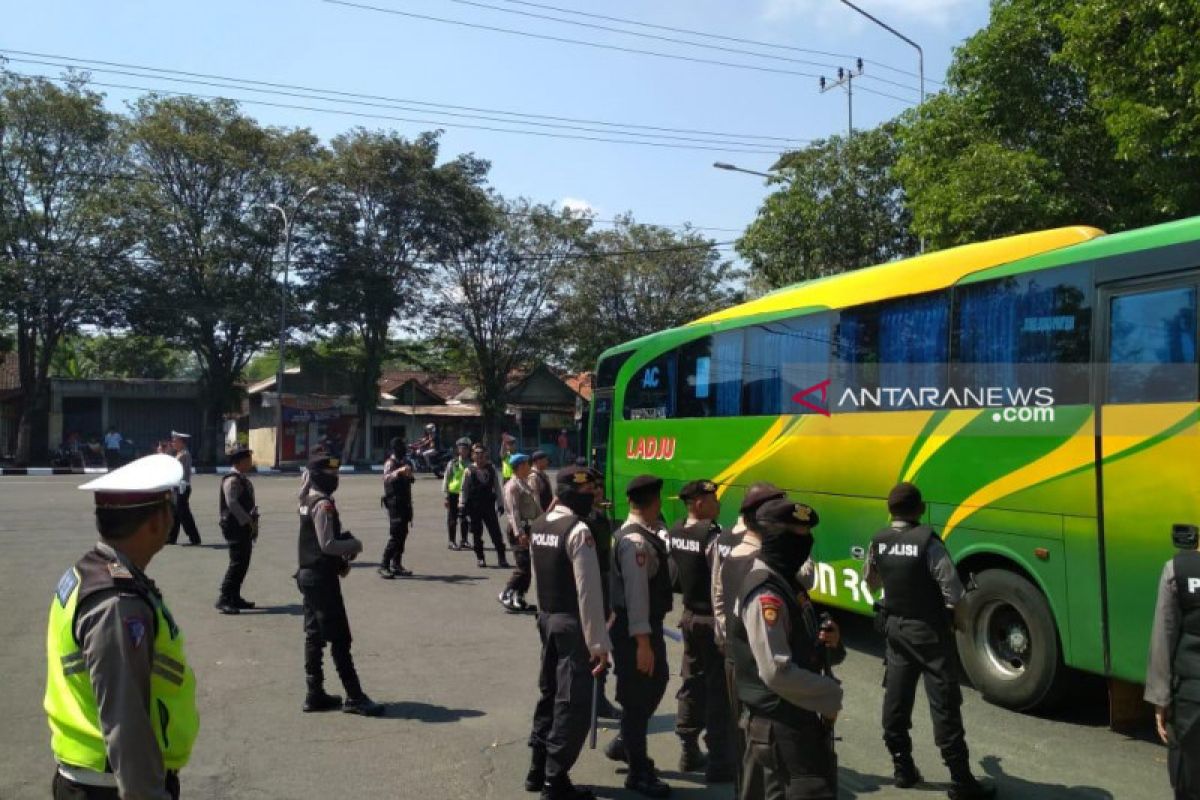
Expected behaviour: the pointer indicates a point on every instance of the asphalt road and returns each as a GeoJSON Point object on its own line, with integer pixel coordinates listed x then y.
{"type": "Point", "coordinates": [458, 675]}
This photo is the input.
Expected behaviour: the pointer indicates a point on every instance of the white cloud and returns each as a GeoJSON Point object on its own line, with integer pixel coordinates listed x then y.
{"type": "Point", "coordinates": [828, 14]}
{"type": "Point", "coordinates": [577, 206]}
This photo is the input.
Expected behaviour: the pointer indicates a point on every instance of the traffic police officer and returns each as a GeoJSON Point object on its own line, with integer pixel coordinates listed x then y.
{"type": "Point", "coordinates": [120, 696]}
{"type": "Point", "coordinates": [782, 655]}
{"type": "Point", "coordinates": [703, 702]}
{"type": "Point", "coordinates": [325, 552]}
{"type": "Point", "coordinates": [641, 595]}
{"type": "Point", "coordinates": [480, 500]}
{"type": "Point", "coordinates": [452, 480]}
{"type": "Point", "coordinates": [397, 501]}
{"type": "Point", "coordinates": [239, 526]}
{"type": "Point", "coordinates": [1173, 673]}
{"type": "Point", "coordinates": [183, 503]}
{"type": "Point", "coordinates": [921, 590]}
{"type": "Point", "coordinates": [575, 642]}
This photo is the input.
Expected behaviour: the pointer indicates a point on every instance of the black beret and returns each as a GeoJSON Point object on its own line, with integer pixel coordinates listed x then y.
{"type": "Point", "coordinates": [324, 462]}
{"type": "Point", "coordinates": [905, 498]}
{"type": "Point", "coordinates": [758, 494]}
{"type": "Point", "coordinates": [237, 454]}
{"type": "Point", "coordinates": [574, 476]}
{"type": "Point", "coordinates": [782, 512]}
{"type": "Point", "coordinates": [538, 455]}
{"type": "Point", "coordinates": [693, 489]}
{"type": "Point", "coordinates": [644, 485]}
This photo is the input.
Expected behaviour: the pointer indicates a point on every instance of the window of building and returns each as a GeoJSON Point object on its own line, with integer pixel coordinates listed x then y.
{"type": "Point", "coordinates": [1152, 347]}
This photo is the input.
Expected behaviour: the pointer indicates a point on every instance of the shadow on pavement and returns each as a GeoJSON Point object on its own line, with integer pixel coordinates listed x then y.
{"type": "Point", "coordinates": [1012, 786]}
{"type": "Point", "coordinates": [290, 609]}
{"type": "Point", "coordinates": [442, 578]}
{"type": "Point", "coordinates": [426, 712]}
{"type": "Point", "coordinates": [852, 783]}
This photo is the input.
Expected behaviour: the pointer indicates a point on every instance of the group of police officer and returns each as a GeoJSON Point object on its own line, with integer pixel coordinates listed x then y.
{"type": "Point", "coordinates": [758, 684]}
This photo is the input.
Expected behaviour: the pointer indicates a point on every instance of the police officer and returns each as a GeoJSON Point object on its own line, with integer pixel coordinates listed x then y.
{"type": "Point", "coordinates": [641, 595]}
{"type": "Point", "coordinates": [703, 702]}
{"type": "Point", "coordinates": [1173, 672]}
{"type": "Point", "coordinates": [539, 480]}
{"type": "Point", "coordinates": [397, 501]}
{"type": "Point", "coordinates": [325, 552]}
{"type": "Point", "coordinates": [522, 507]}
{"type": "Point", "coordinates": [480, 500]}
{"type": "Point", "coordinates": [575, 642]}
{"type": "Point", "coordinates": [452, 480]}
{"type": "Point", "coordinates": [239, 526]}
{"type": "Point", "coordinates": [921, 590]}
{"type": "Point", "coordinates": [781, 656]}
{"type": "Point", "coordinates": [183, 500]}
{"type": "Point", "coordinates": [601, 526]}
{"type": "Point", "coordinates": [120, 696]}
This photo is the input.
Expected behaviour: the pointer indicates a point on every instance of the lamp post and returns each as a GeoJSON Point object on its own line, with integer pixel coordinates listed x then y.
{"type": "Point", "coordinates": [733, 168]}
{"type": "Point", "coordinates": [287, 260]}
{"type": "Point", "coordinates": [902, 37]}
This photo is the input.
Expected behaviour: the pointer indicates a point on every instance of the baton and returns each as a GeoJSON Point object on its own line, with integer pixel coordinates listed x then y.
{"type": "Point", "coordinates": [595, 712]}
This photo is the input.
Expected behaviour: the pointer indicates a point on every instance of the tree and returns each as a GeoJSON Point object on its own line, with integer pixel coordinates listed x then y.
{"type": "Point", "coordinates": [117, 356]}
{"type": "Point", "coordinates": [840, 207]}
{"type": "Point", "coordinates": [1142, 69]}
{"type": "Point", "coordinates": [60, 238]}
{"type": "Point", "coordinates": [498, 296]}
{"type": "Point", "coordinates": [203, 174]}
{"type": "Point", "coordinates": [1015, 143]}
{"type": "Point", "coordinates": [387, 211]}
{"type": "Point", "coordinates": [640, 279]}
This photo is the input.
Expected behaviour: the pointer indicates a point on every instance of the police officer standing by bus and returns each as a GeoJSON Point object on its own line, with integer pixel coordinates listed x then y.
{"type": "Point", "coordinates": [452, 480]}
{"type": "Point", "coordinates": [921, 590]}
{"type": "Point", "coordinates": [703, 702]}
{"type": "Point", "coordinates": [325, 552]}
{"type": "Point", "coordinates": [1173, 672]}
{"type": "Point", "coordinates": [641, 595]}
{"type": "Point", "coordinates": [397, 501]}
{"type": "Point", "coordinates": [782, 655]}
{"type": "Point", "coordinates": [120, 696]}
{"type": "Point", "coordinates": [239, 525]}
{"type": "Point", "coordinates": [575, 643]}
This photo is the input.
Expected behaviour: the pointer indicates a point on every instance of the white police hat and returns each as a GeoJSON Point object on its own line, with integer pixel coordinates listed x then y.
{"type": "Point", "coordinates": [138, 483]}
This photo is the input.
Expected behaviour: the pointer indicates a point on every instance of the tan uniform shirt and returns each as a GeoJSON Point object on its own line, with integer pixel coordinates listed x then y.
{"type": "Point", "coordinates": [581, 549]}
{"type": "Point", "coordinates": [638, 560]}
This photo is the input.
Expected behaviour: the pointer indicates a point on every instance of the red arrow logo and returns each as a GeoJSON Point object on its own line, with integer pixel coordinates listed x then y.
{"type": "Point", "coordinates": [823, 388]}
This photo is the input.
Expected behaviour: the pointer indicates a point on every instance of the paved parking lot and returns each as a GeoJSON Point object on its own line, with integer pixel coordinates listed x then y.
{"type": "Point", "coordinates": [458, 674]}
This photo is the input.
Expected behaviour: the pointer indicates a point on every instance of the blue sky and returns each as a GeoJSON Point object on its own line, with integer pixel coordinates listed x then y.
{"type": "Point", "coordinates": [316, 44]}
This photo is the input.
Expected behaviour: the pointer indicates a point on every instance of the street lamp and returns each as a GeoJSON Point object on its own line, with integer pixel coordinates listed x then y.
{"type": "Point", "coordinates": [902, 37]}
{"type": "Point", "coordinates": [733, 168]}
{"type": "Point", "coordinates": [287, 260]}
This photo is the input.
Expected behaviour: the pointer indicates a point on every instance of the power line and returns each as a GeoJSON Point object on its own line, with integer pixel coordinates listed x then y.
{"type": "Point", "coordinates": [565, 40]}
{"type": "Point", "coordinates": [672, 40]}
{"type": "Point", "coordinates": [360, 114]}
{"type": "Point", "coordinates": [716, 36]}
{"type": "Point", "coordinates": [340, 93]}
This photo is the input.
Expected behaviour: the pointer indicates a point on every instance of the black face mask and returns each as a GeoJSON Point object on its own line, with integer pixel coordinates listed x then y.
{"type": "Point", "coordinates": [580, 503]}
{"type": "Point", "coordinates": [786, 553]}
{"type": "Point", "coordinates": [326, 482]}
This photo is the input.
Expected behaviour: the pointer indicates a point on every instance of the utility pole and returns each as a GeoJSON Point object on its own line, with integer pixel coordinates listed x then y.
{"type": "Point", "coordinates": [845, 77]}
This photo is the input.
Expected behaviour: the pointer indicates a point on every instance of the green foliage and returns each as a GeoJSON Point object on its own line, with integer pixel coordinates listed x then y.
{"type": "Point", "coordinates": [840, 207]}
{"type": "Point", "coordinates": [128, 356]}
{"type": "Point", "coordinates": [607, 300]}
{"type": "Point", "coordinates": [1142, 67]}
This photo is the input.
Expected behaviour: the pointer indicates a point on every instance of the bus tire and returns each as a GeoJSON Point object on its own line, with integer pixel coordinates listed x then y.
{"type": "Point", "coordinates": [1008, 642]}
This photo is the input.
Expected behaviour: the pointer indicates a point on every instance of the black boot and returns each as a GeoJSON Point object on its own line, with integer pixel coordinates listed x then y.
{"type": "Point", "coordinates": [317, 700]}
{"type": "Point", "coordinates": [645, 781]}
{"type": "Point", "coordinates": [561, 788]}
{"type": "Point", "coordinates": [719, 772]}
{"type": "Point", "coordinates": [964, 786]}
{"type": "Point", "coordinates": [904, 769]}
{"type": "Point", "coordinates": [692, 759]}
{"type": "Point", "coordinates": [536, 777]}
{"type": "Point", "coordinates": [615, 750]}
{"type": "Point", "coordinates": [363, 706]}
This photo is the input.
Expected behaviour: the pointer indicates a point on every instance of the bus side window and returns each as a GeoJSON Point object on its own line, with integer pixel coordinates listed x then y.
{"type": "Point", "coordinates": [1152, 347]}
{"type": "Point", "coordinates": [899, 343]}
{"type": "Point", "coordinates": [710, 376]}
{"type": "Point", "coordinates": [784, 359]}
{"type": "Point", "coordinates": [651, 391]}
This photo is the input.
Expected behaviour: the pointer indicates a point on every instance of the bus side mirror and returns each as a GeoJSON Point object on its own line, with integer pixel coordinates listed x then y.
{"type": "Point", "coordinates": [1185, 537]}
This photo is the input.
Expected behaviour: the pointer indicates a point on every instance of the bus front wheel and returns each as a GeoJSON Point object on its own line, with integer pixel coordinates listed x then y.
{"type": "Point", "coordinates": [1008, 642]}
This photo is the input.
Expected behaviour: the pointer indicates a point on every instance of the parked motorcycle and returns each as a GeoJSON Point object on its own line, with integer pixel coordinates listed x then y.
{"type": "Point", "coordinates": [435, 464]}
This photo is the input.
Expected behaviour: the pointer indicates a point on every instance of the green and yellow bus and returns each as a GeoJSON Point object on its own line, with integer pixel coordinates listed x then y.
{"type": "Point", "coordinates": [1052, 421]}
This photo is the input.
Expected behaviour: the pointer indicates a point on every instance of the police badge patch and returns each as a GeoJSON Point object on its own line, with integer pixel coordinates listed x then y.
{"type": "Point", "coordinates": [770, 605]}
{"type": "Point", "coordinates": [136, 628]}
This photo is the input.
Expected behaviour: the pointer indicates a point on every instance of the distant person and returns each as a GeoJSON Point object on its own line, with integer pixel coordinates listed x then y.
{"type": "Point", "coordinates": [522, 507]}
{"type": "Point", "coordinates": [481, 498]}
{"type": "Point", "coordinates": [1173, 672]}
{"type": "Point", "coordinates": [564, 445]}
{"type": "Point", "coordinates": [539, 481]}
{"type": "Point", "coordinates": [112, 448]}
{"type": "Point", "coordinates": [120, 696]}
{"type": "Point", "coordinates": [239, 525]}
{"type": "Point", "coordinates": [397, 500]}
{"type": "Point", "coordinates": [183, 510]}
{"type": "Point", "coordinates": [452, 481]}
{"type": "Point", "coordinates": [921, 589]}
